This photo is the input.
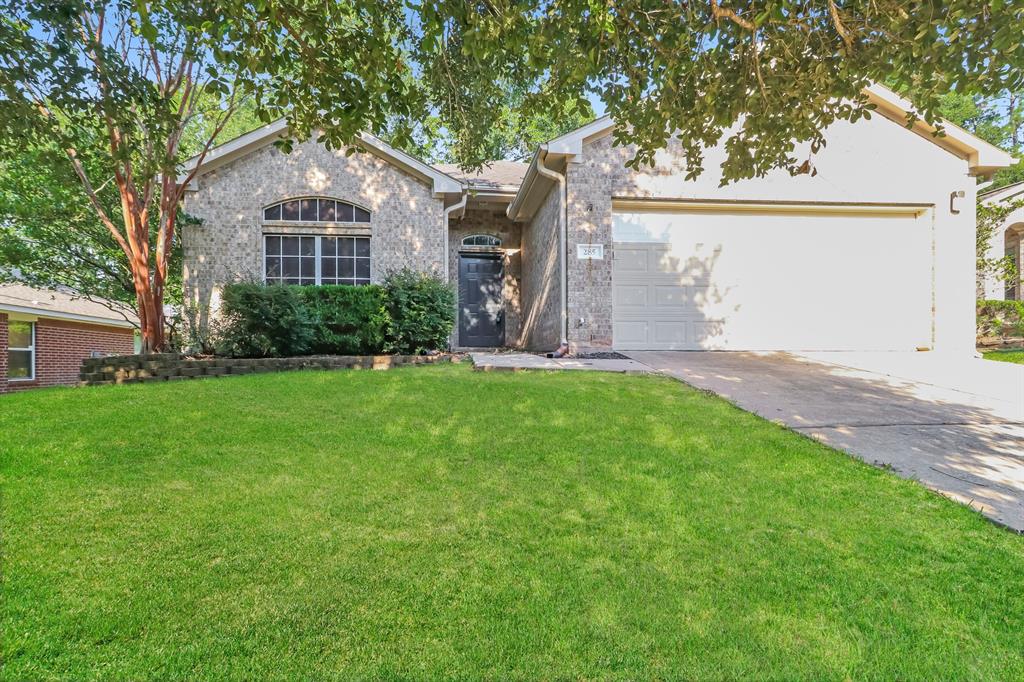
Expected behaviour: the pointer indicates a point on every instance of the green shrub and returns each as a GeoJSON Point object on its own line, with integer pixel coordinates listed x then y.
{"type": "Point", "coordinates": [422, 310]}
{"type": "Point", "coordinates": [1000, 318]}
{"type": "Point", "coordinates": [347, 320]}
{"type": "Point", "coordinates": [260, 321]}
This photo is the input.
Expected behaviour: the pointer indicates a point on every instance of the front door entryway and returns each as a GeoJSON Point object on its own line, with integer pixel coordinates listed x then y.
{"type": "Point", "coordinates": [481, 312]}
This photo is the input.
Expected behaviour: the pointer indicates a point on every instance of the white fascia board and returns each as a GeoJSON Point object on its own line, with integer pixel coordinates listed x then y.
{"type": "Point", "coordinates": [240, 146]}
{"type": "Point", "coordinates": [443, 183]}
{"type": "Point", "coordinates": [571, 144]}
{"type": "Point", "coordinates": [55, 315]}
{"type": "Point", "coordinates": [981, 156]}
{"type": "Point", "coordinates": [1012, 191]}
{"type": "Point", "coordinates": [245, 144]}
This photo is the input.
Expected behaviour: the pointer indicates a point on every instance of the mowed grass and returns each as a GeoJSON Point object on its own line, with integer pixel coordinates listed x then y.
{"type": "Point", "coordinates": [1008, 355]}
{"type": "Point", "coordinates": [442, 523]}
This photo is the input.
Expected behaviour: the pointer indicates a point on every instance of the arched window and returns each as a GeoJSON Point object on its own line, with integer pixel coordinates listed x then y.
{"type": "Point", "coordinates": [481, 240]}
{"type": "Point", "coordinates": [316, 210]}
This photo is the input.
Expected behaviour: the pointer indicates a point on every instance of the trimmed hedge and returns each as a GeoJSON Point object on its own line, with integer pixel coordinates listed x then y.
{"type": "Point", "coordinates": [347, 320]}
{"type": "Point", "coordinates": [260, 321]}
{"type": "Point", "coordinates": [411, 313]}
{"type": "Point", "coordinates": [1000, 319]}
{"type": "Point", "coordinates": [422, 310]}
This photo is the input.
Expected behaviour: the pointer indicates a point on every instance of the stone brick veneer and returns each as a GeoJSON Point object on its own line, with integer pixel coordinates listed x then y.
{"type": "Point", "coordinates": [133, 369]}
{"type": "Point", "coordinates": [406, 224]}
{"type": "Point", "coordinates": [541, 280]}
{"type": "Point", "coordinates": [62, 345]}
{"type": "Point", "coordinates": [495, 223]}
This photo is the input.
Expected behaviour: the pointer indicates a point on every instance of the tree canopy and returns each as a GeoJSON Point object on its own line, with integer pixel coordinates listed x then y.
{"type": "Point", "coordinates": [127, 89]}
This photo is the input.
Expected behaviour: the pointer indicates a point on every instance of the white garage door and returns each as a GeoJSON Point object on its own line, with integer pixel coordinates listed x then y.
{"type": "Point", "coordinates": [772, 281]}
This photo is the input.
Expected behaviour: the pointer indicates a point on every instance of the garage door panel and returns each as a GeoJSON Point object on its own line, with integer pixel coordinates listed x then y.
{"type": "Point", "coordinates": [670, 332]}
{"type": "Point", "coordinates": [631, 296]}
{"type": "Point", "coordinates": [772, 282]}
{"type": "Point", "coordinates": [635, 259]}
{"type": "Point", "coordinates": [632, 333]}
{"type": "Point", "coordinates": [672, 296]}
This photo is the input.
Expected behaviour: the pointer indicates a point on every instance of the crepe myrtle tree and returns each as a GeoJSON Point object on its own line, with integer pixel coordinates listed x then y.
{"type": "Point", "coordinates": [767, 74]}
{"type": "Point", "coordinates": [138, 74]}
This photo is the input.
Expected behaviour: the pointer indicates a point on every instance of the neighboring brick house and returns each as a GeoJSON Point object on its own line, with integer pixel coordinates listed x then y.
{"type": "Point", "coordinates": [45, 335]}
{"type": "Point", "coordinates": [874, 251]}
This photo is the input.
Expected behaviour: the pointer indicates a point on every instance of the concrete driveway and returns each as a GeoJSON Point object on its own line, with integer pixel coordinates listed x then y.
{"type": "Point", "coordinates": [955, 424]}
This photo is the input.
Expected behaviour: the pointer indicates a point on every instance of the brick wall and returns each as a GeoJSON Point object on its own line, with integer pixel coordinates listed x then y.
{"type": "Point", "coordinates": [540, 281]}
{"type": "Point", "coordinates": [3, 352]}
{"type": "Point", "coordinates": [61, 346]}
{"type": "Point", "coordinates": [497, 224]}
{"type": "Point", "coordinates": [406, 223]}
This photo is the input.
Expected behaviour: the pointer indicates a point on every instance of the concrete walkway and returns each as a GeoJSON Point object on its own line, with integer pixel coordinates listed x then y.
{"type": "Point", "coordinates": [955, 424]}
{"type": "Point", "coordinates": [519, 361]}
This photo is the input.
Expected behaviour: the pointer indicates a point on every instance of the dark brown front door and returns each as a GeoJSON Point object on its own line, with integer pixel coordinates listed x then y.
{"type": "Point", "coordinates": [481, 313]}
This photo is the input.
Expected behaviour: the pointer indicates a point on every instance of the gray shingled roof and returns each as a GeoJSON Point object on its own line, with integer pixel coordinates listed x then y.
{"type": "Point", "coordinates": [494, 174]}
{"type": "Point", "coordinates": [43, 301]}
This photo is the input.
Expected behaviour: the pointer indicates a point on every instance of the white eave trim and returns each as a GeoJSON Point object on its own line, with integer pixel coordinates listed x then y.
{"type": "Point", "coordinates": [982, 158]}
{"type": "Point", "coordinates": [442, 183]}
{"type": "Point", "coordinates": [74, 317]}
{"type": "Point", "coordinates": [660, 205]}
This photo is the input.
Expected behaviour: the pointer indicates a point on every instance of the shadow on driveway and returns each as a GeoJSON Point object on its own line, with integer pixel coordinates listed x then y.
{"type": "Point", "coordinates": [955, 425]}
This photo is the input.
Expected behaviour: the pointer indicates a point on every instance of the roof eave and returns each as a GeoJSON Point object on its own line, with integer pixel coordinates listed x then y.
{"type": "Point", "coordinates": [58, 315]}
{"type": "Point", "coordinates": [441, 182]}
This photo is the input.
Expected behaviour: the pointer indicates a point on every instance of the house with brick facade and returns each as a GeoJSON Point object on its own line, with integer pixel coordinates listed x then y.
{"type": "Point", "coordinates": [872, 251]}
{"type": "Point", "coordinates": [46, 335]}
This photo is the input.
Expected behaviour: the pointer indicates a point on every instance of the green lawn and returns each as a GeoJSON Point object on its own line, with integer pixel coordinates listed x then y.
{"type": "Point", "coordinates": [436, 522]}
{"type": "Point", "coordinates": [1007, 355]}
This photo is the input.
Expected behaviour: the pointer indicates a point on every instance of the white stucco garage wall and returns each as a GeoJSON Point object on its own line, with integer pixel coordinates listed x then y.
{"type": "Point", "coordinates": [874, 161]}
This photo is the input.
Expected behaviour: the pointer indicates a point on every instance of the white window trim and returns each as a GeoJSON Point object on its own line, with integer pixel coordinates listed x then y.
{"type": "Point", "coordinates": [482, 246]}
{"type": "Point", "coordinates": [32, 354]}
{"type": "Point", "coordinates": [318, 279]}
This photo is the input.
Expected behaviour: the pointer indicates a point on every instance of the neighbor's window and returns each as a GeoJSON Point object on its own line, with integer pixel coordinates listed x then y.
{"type": "Point", "coordinates": [304, 259]}
{"type": "Point", "coordinates": [316, 211]}
{"type": "Point", "coordinates": [21, 351]}
{"type": "Point", "coordinates": [481, 240]}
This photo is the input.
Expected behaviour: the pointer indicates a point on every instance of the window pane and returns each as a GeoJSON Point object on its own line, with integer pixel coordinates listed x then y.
{"type": "Point", "coordinates": [328, 268]}
{"type": "Point", "coordinates": [293, 280]}
{"type": "Point", "coordinates": [290, 210]}
{"type": "Point", "coordinates": [328, 212]}
{"type": "Point", "coordinates": [19, 364]}
{"type": "Point", "coordinates": [346, 247]}
{"type": "Point", "coordinates": [291, 267]}
{"type": "Point", "coordinates": [19, 335]}
{"type": "Point", "coordinates": [344, 212]}
{"type": "Point", "coordinates": [362, 216]}
{"type": "Point", "coordinates": [273, 246]}
{"type": "Point", "coordinates": [363, 268]}
{"type": "Point", "coordinates": [346, 268]}
{"type": "Point", "coordinates": [273, 267]}
{"type": "Point", "coordinates": [363, 248]}
{"type": "Point", "coordinates": [309, 267]}
{"type": "Point", "coordinates": [290, 246]}
{"type": "Point", "coordinates": [308, 209]}
{"type": "Point", "coordinates": [309, 246]}
{"type": "Point", "coordinates": [328, 246]}
{"type": "Point", "coordinates": [272, 213]}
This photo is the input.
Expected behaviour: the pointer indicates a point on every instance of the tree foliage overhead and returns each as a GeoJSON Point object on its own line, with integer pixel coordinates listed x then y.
{"type": "Point", "coordinates": [127, 89]}
{"type": "Point", "coordinates": [778, 70]}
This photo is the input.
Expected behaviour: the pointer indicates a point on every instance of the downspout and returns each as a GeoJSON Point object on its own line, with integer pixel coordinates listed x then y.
{"type": "Point", "coordinates": [461, 203]}
{"type": "Point", "coordinates": [562, 245]}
